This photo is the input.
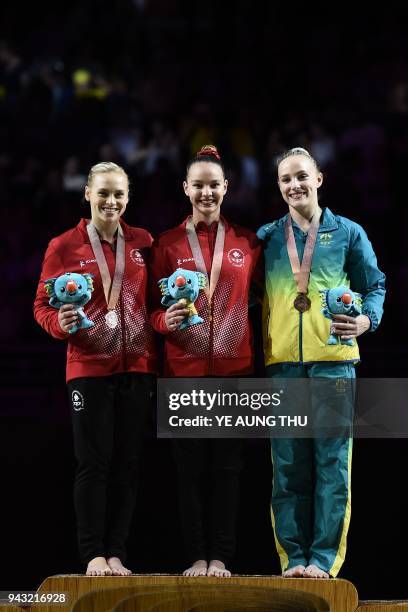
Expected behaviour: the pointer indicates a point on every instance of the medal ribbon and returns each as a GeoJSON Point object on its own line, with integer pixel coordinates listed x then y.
{"type": "Point", "coordinates": [110, 288]}
{"type": "Point", "coordinates": [301, 272]}
{"type": "Point", "coordinates": [198, 255]}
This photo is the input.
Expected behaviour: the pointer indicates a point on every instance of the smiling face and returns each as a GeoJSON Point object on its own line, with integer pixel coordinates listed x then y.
{"type": "Point", "coordinates": [206, 187]}
{"type": "Point", "coordinates": [299, 180]}
{"type": "Point", "coordinates": [108, 195]}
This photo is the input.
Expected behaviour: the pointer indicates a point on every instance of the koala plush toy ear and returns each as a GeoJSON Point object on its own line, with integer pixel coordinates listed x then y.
{"type": "Point", "coordinates": [202, 280]}
{"type": "Point", "coordinates": [323, 297]}
{"type": "Point", "coordinates": [49, 287]}
{"type": "Point", "coordinates": [164, 286]}
{"type": "Point", "coordinates": [88, 278]}
{"type": "Point", "coordinates": [358, 298]}
{"type": "Point", "coordinates": [50, 291]}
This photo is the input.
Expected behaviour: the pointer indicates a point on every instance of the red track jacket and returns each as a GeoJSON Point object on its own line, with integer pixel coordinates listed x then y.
{"type": "Point", "coordinates": [101, 351]}
{"type": "Point", "coordinates": [221, 346]}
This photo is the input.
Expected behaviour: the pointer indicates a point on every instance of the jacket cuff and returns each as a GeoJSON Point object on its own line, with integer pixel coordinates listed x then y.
{"type": "Point", "coordinates": [158, 322]}
{"type": "Point", "coordinates": [373, 318]}
{"type": "Point", "coordinates": [56, 331]}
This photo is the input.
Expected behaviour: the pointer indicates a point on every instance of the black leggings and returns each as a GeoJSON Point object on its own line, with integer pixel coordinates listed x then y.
{"type": "Point", "coordinates": [109, 415]}
{"type": "Point", "coordinates": [209, 532]}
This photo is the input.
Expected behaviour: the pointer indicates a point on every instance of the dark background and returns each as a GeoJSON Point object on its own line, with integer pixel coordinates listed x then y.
{"type": "Point", "coordinates": [145, 84]}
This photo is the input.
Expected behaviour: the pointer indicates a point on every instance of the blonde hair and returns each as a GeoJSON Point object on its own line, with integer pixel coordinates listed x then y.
{"type": "Point", "coordinates": [105, 167]}
{"type": "Point", "coordinates": [296, 151]}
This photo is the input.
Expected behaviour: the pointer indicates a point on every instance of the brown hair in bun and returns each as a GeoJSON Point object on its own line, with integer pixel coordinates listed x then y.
{"type": "Point", "coordinates": [207, 153]}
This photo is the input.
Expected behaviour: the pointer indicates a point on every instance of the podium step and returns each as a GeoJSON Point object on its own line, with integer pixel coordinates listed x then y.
{"type": "Point", "coordinates": [383, 606]}
{"type": "Point", "coordinates": [174, 593]}
{"type": "Point", "coordinates": [169, 593]}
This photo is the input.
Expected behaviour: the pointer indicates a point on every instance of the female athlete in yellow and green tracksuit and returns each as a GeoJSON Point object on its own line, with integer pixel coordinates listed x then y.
{"type": "Point", "coordinates": [311, 483]}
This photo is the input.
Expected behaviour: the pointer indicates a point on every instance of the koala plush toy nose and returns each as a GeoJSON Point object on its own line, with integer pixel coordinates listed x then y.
{"type": "Point", "coordinates": [180, 281]}
{"type": "Point", "coordinates": [71, 286]}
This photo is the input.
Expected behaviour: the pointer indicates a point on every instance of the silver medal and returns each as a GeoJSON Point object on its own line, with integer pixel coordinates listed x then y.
{"type": "Point", "coordinates": [111, 319]}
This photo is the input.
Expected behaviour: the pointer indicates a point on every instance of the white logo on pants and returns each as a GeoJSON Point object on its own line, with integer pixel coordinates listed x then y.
{"type": "Point", "coordinates": [78, 401]}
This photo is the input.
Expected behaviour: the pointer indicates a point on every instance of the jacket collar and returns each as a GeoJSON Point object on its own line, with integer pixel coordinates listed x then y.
{"type": "Point", "coordinates": [328, 221]}
{"type": "Point", "coordinates": [81, 227]}
{"type": "Point", "coordinates": [202, 227]}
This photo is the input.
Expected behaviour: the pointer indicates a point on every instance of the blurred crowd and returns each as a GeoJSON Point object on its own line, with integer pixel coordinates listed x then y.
{"type": "Point", "coordinates": [146, 84]}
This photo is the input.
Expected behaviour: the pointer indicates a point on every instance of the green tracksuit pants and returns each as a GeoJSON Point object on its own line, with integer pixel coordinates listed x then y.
{"type": "Point", "coordinates": [311, 497]}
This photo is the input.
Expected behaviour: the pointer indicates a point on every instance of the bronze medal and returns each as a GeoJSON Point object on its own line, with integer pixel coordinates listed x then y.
{"type": "Point", "coordinates": [199, 259]}
{"type": "Point", "coordinates": [302, 303]}
{"type": "Point", "coordinates": [301, 271]}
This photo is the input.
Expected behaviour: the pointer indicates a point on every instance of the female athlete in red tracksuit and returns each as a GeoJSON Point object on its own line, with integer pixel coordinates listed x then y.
{"type": "Point", "coordinates": [110, 367]}
{"type": "Point", "coordinates": [220, 346]}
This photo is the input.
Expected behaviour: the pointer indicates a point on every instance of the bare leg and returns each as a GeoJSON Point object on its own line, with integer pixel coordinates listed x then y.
{"type": "Point", "coordinates": [294, 572]}
{"type": "Point", "coordinates": [199, 568]}
{"type": "Point", "coordinates": [98, 567]}
{"type": "Point", "coordinates": [312, 571]}
{"type": "Point", "coordinates": [218, 569]}
{"type": "Point", "coordinates": [117, 568]}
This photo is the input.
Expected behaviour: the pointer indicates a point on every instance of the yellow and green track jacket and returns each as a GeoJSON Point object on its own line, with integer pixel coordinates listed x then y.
{"type": "Point", "coordinates": [343, 255]}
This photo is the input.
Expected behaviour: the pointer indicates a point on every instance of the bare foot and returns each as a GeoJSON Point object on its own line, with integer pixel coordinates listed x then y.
{"type": "Point", "coordinates": [312, 571]}
{"type": "Point", "coordinates": [294, 572]}
{"type": "Point", "coordinates": [117, 568]}
{"type": "Point", "coordinates": [218, 569]}
{"type": "Point", "coordinates": [199, 568]}
{"type": "Point", "coordinates": [98, 567]}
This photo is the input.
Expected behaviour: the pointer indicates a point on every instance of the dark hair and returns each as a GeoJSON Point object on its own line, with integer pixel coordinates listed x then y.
{"type": "Point", "coordinates": [207, 153]}
{"type": "Point", "coordinates": [296, 151]}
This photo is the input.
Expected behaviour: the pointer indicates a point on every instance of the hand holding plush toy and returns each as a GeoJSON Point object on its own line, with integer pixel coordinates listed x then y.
{"type": "Point", "coordinates": [183, 287]}
{"type": "Point", "coordinates": [71, 288]}
{"type": "Point", "coordinates": [340, 300]}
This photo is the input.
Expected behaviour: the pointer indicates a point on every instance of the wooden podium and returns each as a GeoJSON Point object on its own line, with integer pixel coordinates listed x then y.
{"type": "Point", "coordinates": [169, 593]}
{"type": "Point", "coordinates": [163, 593]}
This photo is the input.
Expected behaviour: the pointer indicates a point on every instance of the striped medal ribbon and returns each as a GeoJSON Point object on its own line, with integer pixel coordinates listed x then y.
{"type": "Point", "coordinates": [111, 287]}
{"type": "Point", "coordinates": [199, 259]}
{"type": "Point", "coordinates": [301, 272]}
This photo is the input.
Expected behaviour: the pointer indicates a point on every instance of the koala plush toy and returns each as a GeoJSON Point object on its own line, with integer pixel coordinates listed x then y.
{"type": "Point", "coordinates": [71, 288]}
{"type": "Point", "coordinates": [340, 300]}
{"type": "Point", "coordinates": [183, 286]}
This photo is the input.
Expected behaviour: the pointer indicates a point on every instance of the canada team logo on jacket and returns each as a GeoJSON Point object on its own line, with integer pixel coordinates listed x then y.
{"type": "Point", "coordinates": [236, 257]}
{"type": "Point", "coordinates": [137, 257]}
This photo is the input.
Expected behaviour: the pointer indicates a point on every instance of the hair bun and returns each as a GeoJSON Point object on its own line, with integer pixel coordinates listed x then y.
{"type": "Point", "coordinates": [209, 151]}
